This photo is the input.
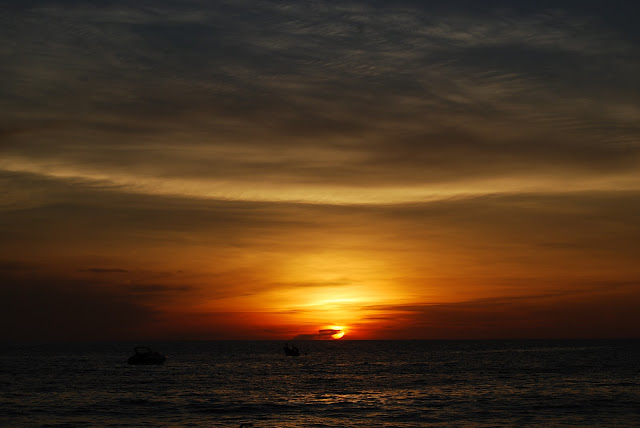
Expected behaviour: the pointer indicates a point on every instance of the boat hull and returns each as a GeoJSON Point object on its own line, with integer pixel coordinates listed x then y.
{"type": "Point", "coordinates": [146, 360]}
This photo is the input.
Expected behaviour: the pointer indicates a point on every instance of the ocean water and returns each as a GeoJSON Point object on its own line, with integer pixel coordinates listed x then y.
{"type": "Point", "coordinates": [585, 383]}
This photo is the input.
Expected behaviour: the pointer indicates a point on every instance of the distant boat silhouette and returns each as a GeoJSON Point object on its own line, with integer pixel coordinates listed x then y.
{"type": "Point", "coordinates": [145, 356]}
{"type": "Point", "coordinates": [291, 352]}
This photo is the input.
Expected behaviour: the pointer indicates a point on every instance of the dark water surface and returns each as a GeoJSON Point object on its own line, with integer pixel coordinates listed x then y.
{"type": "Point", "coordinates": [586, 383]}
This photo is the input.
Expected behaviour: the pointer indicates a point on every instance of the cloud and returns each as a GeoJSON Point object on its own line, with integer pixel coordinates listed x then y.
{"type": "Point", "coordinates": [49, 304]}
{"type": "Point", "coordinates": [600, 312]}
{"type": "Point", "coordinates": [419, 103]}
{"type": "Point", "coordinates": [14, 266]}
{"type": "Point", "coordinates": [327, 333]}
{"type": "Point", "coordinates": [54, 309]}
{"type": "Point", "coordinates": [453, 148]}
{"type": "Point", "coordinates": [146, 289]}
{"type": "Point", "coordinates": [323, 334]}
{"type": "Point", "coordinates": [103, 270]}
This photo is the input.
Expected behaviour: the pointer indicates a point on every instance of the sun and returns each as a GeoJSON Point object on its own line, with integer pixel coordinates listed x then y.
{"type": "Point", "coordinates": [339, 331]}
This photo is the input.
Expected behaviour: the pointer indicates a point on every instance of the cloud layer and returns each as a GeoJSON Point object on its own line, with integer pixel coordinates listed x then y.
{"type": "Point", "coordinates": [319, 102]}
{"type": "Point", "coordinates": [267, 168]}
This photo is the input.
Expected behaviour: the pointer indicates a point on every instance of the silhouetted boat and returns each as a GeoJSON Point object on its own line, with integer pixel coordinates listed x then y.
{"type": "Point", "coordinates": [291, 352]}
{"type": "Point", "coordinates": [145, 356]}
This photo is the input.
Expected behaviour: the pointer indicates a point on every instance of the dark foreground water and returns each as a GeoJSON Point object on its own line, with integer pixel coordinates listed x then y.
{"type": "Point", "coordinates": [333, 384]}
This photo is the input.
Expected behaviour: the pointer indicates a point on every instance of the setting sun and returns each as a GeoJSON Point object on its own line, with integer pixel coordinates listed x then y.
{"type": "Point", "coordinates": [338, 331]}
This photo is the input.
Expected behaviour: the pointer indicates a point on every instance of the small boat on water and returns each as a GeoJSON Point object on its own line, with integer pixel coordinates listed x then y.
{"type": "Point", "coordinates": [145, 356]}
{"type": "Point", "coordinates": [291, 351]}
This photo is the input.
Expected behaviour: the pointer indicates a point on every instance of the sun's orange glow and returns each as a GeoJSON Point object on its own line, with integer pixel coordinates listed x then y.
{"type": "Point", "coordinates": [338, 335]}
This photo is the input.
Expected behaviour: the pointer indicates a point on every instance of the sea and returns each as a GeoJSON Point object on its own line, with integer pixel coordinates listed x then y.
{"type": "Point", "coordinates": [338, 383]}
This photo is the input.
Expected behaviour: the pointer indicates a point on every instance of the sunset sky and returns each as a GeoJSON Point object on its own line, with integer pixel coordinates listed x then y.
{"type": "Point", "coordinates": [277, 170]}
